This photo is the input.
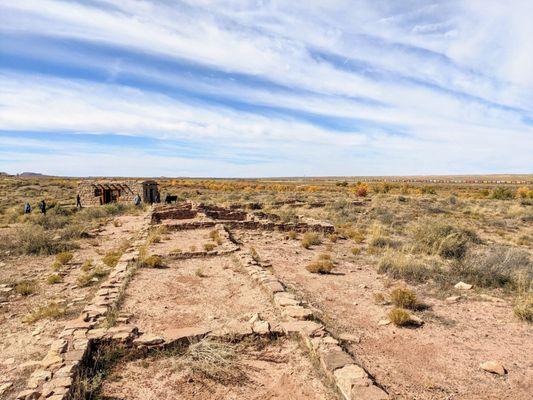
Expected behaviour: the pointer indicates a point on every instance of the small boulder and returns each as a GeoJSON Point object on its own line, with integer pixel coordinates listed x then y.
{"type": "Point", "coordinates": [463, 286]}
{"type": "Point", "coordinates": [493, 367]}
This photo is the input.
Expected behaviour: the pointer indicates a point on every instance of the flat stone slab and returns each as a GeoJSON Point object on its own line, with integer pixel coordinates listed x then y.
{"type": "Point", "coordinates": [191, 333]}
{"type": "Point", "coordinates": [334, 359]}
{"type": "Point", "coordinates": [308, 328]}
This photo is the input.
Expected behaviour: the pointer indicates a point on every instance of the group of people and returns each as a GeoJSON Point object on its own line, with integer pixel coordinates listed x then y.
{"type": "Point", "coordinates": [42, 207]}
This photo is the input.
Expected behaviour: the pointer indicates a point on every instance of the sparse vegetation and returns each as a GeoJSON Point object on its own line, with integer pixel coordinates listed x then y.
{"type": "Point", "coordinates": [323, 265]}
{"type": "Point", "coordinates": [209, 246]}
{"type": "Point", "coordinates": [153, 261]}
{"type": "Point", "coordinates": [26, 287]}
{"type": "Point", "coordinates": [111, 258]}
{"type": "Point", "coordinates": [399, 317]}
{"type": "Point", "coordinates": [53, 279]}
{"type": "Point", "coordinates": [404, 298]}
{"type": "Point", "coordinates": [51, 311]}
{"type": "Point", "coordinates": [310, 239]}
{"type": "Point", "coordinates": [64, 257]}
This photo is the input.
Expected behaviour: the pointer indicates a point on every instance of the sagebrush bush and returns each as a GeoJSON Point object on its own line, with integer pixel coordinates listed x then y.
{"type": "Point", "coordinates": [310, 239]}
{"type": "Point", "coordinates": [32, 240]}
{"type": "Point", "coordinates": [502, 193]}
{"type": "Point", "coordinates": [404, 298]}
{"type": "Point", "coordinates": [209, 246]}
{"type": "Point", "coordinates": [399, 317]}
{"type": "Point", "coordinates": [154, 261]}
{"type": "Point", "coordinates": [51, 310]}
{"type": "Point", "coordinates": [26, 287]}
{"type": "Point", "coordinates": [433, 236]}
{"type": "Point", "coordinates": [523, 306]}
{"type": "Point", "coordinates": [361, 190]}
{"type": "Point", "coordinates": [111, 258]}
{"type": "Point", "coordinates": [64, 257]}
{"type": "Point", "coordinates": [496, 267]}
{"type": "Point", "coordinates": [407, 267]}
{"type": "Point", "coordinates": [321, 266]}
{"type": "Point", "coordinates": [53, 279]}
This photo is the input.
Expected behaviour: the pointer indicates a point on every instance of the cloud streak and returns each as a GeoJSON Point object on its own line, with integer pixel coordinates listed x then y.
{"type": "Point", "coordinates": [269, 88]}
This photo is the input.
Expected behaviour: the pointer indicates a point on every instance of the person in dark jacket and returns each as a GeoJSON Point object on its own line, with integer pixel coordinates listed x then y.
{"type": "Point", "coordinates": [27, 208]}
{"type": "Point", "coordinates": [78, 201]}
{"type": "Point", "coordinates": [42, 207]}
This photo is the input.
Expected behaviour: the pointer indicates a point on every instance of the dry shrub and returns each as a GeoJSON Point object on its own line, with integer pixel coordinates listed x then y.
{"type": "Point", "coordinates": [524, 192]}
{"type": "Point", "coordinates": [56, 266]}
{"type": "Point", "coordinates": [51, 310]}
{"type": "Point", "coordinates": [153, 261]}
{"type": "Point", "coordinates": [323, 265]}
{"type": "Point", "coordinates": [209, 246]}
{"type": "Point", "coordinates": [213, 360]}
{"type": "Point", "coordinates": [361, 189]}
{"type": "Point", "coordinates": [32, 239]}
{"type": "Point", "coordinates": [88, 279]}
{"type": "Point", "coordinates": [26, 287]}
{"type": "Point", "coordinates": [310, 239]}
{"type": "Point", "coordinates": [404, 298]}
{"type": "Point", "coordinates": [356, 251]}
{"type": "Point", "coordinates": [87, 265]}
{"type": "Point", "coordinates": [401, 266]}
{"type": "Point", "coordinates": [64, 257]}
{"type": "Point", "coordinates": [111, 258]}
{"type": "Point", "coordinates": [438, 237]}
{"type": "Point", "coordinates": [502, 193]}
{"type": "Point", "coordinates": [379, 239]}
{"type": "Point", "coordinates": [292, 235]}
{"type": "Point", "coordinates": [53, 279]}
{"type": "Point", "coordinates": [333, 238]}
{"type": "Point", "coordinates": [497, 267]}
{"type": "Point", "coordinates": [523, 306]}
{"type": "Point", "coordinates": [399, 317]}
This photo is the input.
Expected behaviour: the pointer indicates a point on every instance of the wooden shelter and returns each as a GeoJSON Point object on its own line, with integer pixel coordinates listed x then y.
{"type": "Point", "coordinates": [99, 192]}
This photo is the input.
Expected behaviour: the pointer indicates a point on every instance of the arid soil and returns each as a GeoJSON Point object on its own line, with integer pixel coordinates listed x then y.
{"type": "Point", "coordinates": [439, 360]}
{"type": "Point", "coordinates": [276, 371]}
{"type": "Point", "coordinates": [24, 344]}
{"type": "Point", "coordinates": [210, 293]}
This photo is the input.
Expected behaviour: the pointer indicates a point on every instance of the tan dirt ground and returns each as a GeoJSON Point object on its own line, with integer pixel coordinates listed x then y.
{"type": "Point", "coordinates": [187, 240]}
{"type": "Point", "coordinates": [22, 344]}
{"type": "Point", "coordinates": [279, 371]}
{"type": "Point", "coordinates": [437, 361]}
{"type": "Point", "coordinates": [209, 293]}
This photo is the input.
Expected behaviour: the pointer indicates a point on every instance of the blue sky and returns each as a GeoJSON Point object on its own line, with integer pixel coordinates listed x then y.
{"type": "Point", "coordinates": [266, 88]}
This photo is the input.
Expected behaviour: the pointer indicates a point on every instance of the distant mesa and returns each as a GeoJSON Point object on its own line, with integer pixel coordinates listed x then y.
{"type": "Point", "coordinates": [32, 174]}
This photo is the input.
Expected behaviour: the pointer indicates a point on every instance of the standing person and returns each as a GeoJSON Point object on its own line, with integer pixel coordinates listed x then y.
{"type": "Point", "coordinates": [27, 208]}
{"type": "Point", "coordinates": [78, 201]}
{"type": "Point", "coordinates": [137, 200]}
{"type": "Point", "coordinates": [42, 207]}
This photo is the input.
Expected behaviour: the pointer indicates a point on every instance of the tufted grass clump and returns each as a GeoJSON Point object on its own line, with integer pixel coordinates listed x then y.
{"type": "Point", "coordinates": [51, 311]}
{"type": "Point", "coordinates": [404, 298]}
{"type": "Point", "coordinates": [399, 317]}
{"type": "Point", "coordinates": [153, 261]}
{"type": "Point", "coordinates": [311, 239]}
{"type": "Point", "coordinates": [209, 246]}
{"type": "Point", "coordinates": [523, 306]}
{"type": "Point", "coordinates": [111, 258]}
{"type": "Point", "coordinates": [64, 257]}
{"type": "Point", "coordinates": [323, 264]}
{"type": "Point", "coordinates": [26, 287]}
{"type": "Point", "coordinates": [53, 279]}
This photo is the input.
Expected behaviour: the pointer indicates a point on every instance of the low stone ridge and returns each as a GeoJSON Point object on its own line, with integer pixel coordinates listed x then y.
{"type": "Point", "coordinates": [66, 356]}
{"type": "Point", "coordinates": [351, 380]}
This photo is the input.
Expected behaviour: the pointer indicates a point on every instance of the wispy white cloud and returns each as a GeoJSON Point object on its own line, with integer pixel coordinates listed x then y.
{"type": "Point", "coordinates": [341, 87]}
